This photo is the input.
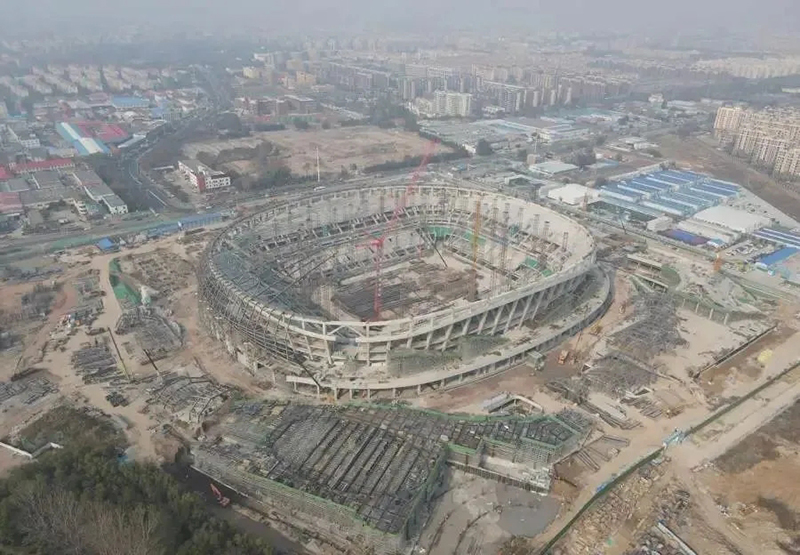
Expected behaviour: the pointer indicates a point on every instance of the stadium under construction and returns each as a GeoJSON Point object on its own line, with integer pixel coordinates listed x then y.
{"type": "Point", "coordinates": [392, 290]}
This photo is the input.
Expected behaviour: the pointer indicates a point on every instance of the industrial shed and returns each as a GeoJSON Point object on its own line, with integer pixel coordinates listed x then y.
{"type": "Point", "coordinates": [573, 194]}
{"type": "Point", "coordinates": [731, 218]}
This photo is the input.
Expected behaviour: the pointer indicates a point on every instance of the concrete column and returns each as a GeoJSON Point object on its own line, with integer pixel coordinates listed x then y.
{"type": "Point", "coordinates": [350, 391]}
{"type": "Point", "coordinates": [711, 314]}
{"type": "Point", "coordinates": [369, 394]}
{"type": "Point", "coordinates": [725, 321]}
{"type": "Point", "coordinates": [447, 335]}
{"type": "Point", "coordinates": [511, 316]}
{"type": "Point", "coordinates": [419, 389]}
{"type": "Point", "coordinates": [483, 322]}
{"type": "Point", "coordinates": [525, 310]}
{"type": "Point", "coordinates": [428, 340]}
{"type": "Point", "coordinates": [497, 318]}
{"type": "Point", "coordinates": [394, 393]}
{"type": "Point", "coordinates": [318, 391]}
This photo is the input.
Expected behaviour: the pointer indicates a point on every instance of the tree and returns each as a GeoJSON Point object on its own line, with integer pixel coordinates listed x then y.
{"type": "Point", "coordinates": [600, 181]}
{"type": "Point", "coordinates": [483, 148]}
{"type": "Point", "coordinates": [82, 500]}
{"type": "Point", "coordinates": [522, 154]}
{"type": "Point", "coordinates": [326, 124]}
{"type": "Point", "coordinates": [582, 158]}
{"type": "Point", "coordinates": [600, 140]}
{"type": "Point", "coordinates": [300, 124]}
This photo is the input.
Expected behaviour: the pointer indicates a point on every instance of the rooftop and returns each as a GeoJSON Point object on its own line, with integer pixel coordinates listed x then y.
{"type": "Point", "coordinates": [553, 167]}
{"type": "Point", "coordinates": [51, 195]}
{"type": "Point", "coordinates": [15, 185]}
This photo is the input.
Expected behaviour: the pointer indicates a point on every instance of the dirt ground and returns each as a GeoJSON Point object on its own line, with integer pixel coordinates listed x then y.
{"type": "Point", "coordinates": [701, 154]}
{"type": "Point", "coordinates": [338, 148]}
{"type": "Point", "coordinates": [744, 367]}
{"type": "Point", "coordinates": [476, 516]}
{"type": "Point", "coordinates": [756, 483]}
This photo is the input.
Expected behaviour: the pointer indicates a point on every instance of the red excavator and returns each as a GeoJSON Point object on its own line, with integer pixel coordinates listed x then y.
{"type": "Point", "coordinates": [221, 499]}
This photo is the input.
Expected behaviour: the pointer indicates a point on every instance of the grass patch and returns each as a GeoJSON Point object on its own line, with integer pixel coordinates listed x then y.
{"type": "Point", "coordinates": [69, 426]}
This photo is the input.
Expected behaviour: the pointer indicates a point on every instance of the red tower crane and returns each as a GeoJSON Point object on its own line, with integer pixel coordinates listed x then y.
{"type": "Point", "coordinates": [376, 243]}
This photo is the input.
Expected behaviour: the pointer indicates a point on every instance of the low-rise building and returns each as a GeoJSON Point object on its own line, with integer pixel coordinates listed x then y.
{"type": "Point", "coordinates": [47, 179]}
{"type": "Point", "coordinates": [202, 177]}
{"type": "Point", "coordinates": [115, 205]}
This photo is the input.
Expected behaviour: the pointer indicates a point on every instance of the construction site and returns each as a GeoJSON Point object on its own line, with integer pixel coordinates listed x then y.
{"type": "Point", "coordinates": [389, 290]}
{"type": "Point", "coordinates": [388, 367]}
{"type": "Point", "coordinates": [366, 474]}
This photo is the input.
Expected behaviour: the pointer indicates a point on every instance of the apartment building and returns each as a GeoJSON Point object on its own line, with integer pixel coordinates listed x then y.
{"type": "Point", "coordinates": [769, 137]}
{"type": "Point", "coordinates": [452, 104]}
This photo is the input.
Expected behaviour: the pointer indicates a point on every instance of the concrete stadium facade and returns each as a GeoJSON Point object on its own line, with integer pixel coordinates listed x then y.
{"type": "Point", "coordinates": [254, 278]}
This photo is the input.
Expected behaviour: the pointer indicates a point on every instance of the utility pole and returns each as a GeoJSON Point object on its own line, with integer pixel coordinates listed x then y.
{"type": "Point", "coordinates": [318, 176]}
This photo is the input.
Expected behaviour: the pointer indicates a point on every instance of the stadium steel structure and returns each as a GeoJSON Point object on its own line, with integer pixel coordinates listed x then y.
{"type": "Point", "coordinates": [260, 279]}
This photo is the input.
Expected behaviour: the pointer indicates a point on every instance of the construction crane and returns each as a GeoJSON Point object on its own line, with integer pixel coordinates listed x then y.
{"type": "Point", "coordinates": [221, 499]}
{"type": "Point", "coordinates": [376, 243]}
{"type": "Point", "coordinates": [476, 232]}
{"type": "Point", "coordinates": [158, 372]}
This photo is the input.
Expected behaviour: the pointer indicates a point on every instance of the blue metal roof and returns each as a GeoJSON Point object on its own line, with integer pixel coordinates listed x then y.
{"type": "Point", "coordinates": [633, 207]}
{"type": "Point", "coordinates": [678, 176]}
{"type": "Point", "coordinates": [662, 176]}
{"type": "Point", "coordinates": [778, 256]}
{"type": "Point", "coordinates": [724, 185]}
{"type": "Point", "coordinates": [667, 206]}
{"type": "Point", "coordinates": [652, 183]}
{"type": "Point", "coordinates": [687, 176]}
{"type": "Point", "coordinates": [686, 237]}
{"type": "Point", "coordinates": [781, 237]}
{"type": "Point", "coordinates": [711, 190]}
{"type": "Point", "coordinates": [678, 198]}
{"type": "Point", "coordinates": [200, 219]}
{"type": "Point", "coordinates": [105, 244]}
{"type": "Point", "coordinates": [616, 190]}
{"type": "Point", "coordinates": [708, 198]}
{"type": "Point", "coordinates": [630, 186]}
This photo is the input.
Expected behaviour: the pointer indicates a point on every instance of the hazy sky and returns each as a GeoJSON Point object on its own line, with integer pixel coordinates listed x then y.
{"type": "Point", "coordinates": [642, 16]}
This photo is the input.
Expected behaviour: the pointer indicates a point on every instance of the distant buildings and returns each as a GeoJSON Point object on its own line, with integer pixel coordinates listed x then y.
{"type": "Point", "coordinates": [769, 138]}
{"type": "Point", "coordinates": [202, 177]}
{"type": "Point", "coordinates": [444, 104]}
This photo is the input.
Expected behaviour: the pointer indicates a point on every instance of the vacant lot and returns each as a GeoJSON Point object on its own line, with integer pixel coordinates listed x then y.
{"type": "Point", "coordinates": [338, 148]}
{"type": "Point", "coordinates": [701, 155]}
{"type": "Point", "coordinates": [758, 483]}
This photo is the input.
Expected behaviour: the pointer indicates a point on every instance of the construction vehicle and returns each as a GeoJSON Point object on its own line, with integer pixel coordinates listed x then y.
{"type": "Point", "coordinates": [562, 357]}
{"type": "Point", "coordinates": [221, 499]}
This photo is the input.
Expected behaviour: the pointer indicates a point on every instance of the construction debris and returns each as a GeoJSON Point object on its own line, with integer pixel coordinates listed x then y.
{"type": "Point", "coordinates": [153, 331]}
{"type": "Point", "coordinates": [28, 390]}
{"type": "Point", "coordinates": [96, 362]}
{"type": "Point", "coordinates": [654, 330]}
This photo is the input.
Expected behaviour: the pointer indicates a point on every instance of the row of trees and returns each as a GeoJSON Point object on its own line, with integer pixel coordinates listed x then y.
{"type": "Point", "coordinates": [84, 501]}
{"type": "Point", "coordinates": [414, 161]}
